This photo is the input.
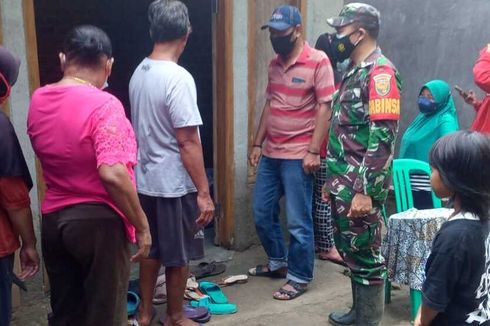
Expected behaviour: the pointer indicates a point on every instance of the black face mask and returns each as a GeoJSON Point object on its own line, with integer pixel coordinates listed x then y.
{"type": "Point", "coordinates": [343, 46]}
{"type": "Point", "coordinates": [283, 45]}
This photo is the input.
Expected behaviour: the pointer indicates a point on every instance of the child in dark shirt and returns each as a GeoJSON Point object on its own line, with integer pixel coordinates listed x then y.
{"type": "Point", "coordinates": [455, 291]}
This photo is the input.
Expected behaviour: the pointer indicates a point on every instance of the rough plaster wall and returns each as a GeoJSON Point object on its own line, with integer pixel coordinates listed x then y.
{"type": "Point", "coordinates": [244, 227]}
{"type": "Point", "coordinates": [435, 39]}
{"type": "Point", "coordinates": [14, 40]}
{"type": "Point", "coordinates": [317, 13]}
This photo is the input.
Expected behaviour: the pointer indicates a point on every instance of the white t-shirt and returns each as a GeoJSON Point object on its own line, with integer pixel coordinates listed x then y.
{"type": "Point", "coordinates": [163, 97]}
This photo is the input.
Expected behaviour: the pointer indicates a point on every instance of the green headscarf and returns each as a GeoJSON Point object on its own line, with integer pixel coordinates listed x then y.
{"type": "Point", "coordinates": [425, 129]}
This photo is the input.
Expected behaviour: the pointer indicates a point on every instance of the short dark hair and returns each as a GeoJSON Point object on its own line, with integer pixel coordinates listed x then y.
{"type": "Point", "coordinates": [372, 29]}
{"type": "Point", "coordinates": [461, 158]}
{"type": "Point", "coordinates": [169, 20]}
{"type": "Point", "coordinates": [86, 45]}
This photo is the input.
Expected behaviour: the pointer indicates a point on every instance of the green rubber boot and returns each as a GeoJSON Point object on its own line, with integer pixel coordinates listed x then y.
{"type": "Point", "coordinates": [369, 304]}
{"type": "Point", "coordinates": [342, 318]}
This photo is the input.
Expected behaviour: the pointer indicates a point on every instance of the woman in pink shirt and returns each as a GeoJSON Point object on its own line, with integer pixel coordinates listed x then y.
{"type": "Point", "coordinates": [91, 210]}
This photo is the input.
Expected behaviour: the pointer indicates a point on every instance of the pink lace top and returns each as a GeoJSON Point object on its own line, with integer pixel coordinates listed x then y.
{"type": "Point", "coordinates": [74, 130]}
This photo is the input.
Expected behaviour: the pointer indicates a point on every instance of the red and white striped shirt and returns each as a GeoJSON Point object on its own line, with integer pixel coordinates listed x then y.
{"type": "Point", "coordinates": [295, 94]}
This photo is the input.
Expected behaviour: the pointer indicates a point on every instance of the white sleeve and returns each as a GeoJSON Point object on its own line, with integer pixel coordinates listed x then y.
{"type": "Point", "coordinates": [182, 102]}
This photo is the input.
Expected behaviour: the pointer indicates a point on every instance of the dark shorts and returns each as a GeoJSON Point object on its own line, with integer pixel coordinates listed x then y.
{"type": "Point", "coordinates": [176, 238]}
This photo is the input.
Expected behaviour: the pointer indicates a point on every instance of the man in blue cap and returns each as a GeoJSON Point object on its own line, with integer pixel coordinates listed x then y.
{"type": "Point", "coordinates": [293, 125]}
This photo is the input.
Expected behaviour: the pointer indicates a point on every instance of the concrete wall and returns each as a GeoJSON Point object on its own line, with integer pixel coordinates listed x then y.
{"type": "Point", "coordinates": [244, 227]}
{"type": "Point", "coordinates": [316, 17]}
{"type": "Point", "coordinates": [435, 39]}
{"type": "Point", "coordinates": [14, 40]}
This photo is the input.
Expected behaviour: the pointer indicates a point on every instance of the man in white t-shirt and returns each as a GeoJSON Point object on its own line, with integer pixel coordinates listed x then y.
{"type": "Point", "coordinates": [170, 174]}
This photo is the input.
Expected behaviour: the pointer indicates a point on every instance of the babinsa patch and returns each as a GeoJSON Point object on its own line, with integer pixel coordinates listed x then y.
{"type": "Point", "coordinates": [382, 84]}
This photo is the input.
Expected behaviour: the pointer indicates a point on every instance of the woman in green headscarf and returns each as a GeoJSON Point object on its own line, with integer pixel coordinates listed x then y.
{"type": "Point", "coordinates": [436, 119]}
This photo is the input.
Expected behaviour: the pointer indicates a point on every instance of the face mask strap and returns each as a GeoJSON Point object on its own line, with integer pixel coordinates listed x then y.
{"type": "Point", "coordinates": [359, 41]}
{"type": "Point", "coordinates": [347, 35]}
{"type": "Point", "coordinates": [292, 35]}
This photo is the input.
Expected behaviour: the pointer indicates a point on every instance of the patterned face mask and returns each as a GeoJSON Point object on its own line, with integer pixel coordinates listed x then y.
{"type": "Point", "coordinates": [343, 46]}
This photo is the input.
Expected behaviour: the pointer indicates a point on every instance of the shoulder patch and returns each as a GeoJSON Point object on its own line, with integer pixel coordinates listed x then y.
{"type": "Point", "coordinates": [384, 95]}
{"type": "Point", "coordinates": [382, 84]}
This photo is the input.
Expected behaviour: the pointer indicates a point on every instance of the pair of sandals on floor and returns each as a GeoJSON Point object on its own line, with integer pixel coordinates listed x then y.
{"type": "Point", "coordinates": [283, 294]}
{"type": "Point", "coordinates": [298, 288]}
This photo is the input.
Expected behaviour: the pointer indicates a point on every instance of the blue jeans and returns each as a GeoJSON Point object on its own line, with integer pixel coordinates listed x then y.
{"type": "Point", "coordinates": [6, 273]}
{"type": "Point", "coordinates": [277, 178]}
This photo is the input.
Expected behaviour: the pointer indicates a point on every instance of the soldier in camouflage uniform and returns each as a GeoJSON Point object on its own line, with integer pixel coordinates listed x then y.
{"type": "Point", "coordinates": [363, 129]}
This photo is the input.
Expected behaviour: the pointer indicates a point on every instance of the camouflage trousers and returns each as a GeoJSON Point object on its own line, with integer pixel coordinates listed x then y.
{"type": "Point", "coordinates": [359, 241]}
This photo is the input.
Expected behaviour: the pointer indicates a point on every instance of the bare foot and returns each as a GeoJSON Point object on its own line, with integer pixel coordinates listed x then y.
{"type": "Point", "coordinates": [332, 255]}
{"type": "Point", "coordinates": [181, 322]}
{"type": "Point", "coordinates": [144, 319]}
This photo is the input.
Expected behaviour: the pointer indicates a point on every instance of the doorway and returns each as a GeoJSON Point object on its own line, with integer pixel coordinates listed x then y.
{"type": "Point", "coordinates": [126, 23]}
{"type": "Point", "coordinates": [207, 57]}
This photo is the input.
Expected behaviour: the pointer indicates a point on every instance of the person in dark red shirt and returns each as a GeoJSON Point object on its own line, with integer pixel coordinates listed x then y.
{"type": "Point", "coordinates": [481, 74]}
{"type": "Point", "coordinates": [15, 212]}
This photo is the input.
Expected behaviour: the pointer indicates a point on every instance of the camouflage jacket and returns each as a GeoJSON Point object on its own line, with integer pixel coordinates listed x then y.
{"type": "Point", "coordinates": [363, 129]}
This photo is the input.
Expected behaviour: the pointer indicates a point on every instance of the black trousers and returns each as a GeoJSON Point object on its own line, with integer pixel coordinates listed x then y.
{"type": "Point", "coordinates": [86, 254]}
{"type": "Point", "coordinates": [6, 277]}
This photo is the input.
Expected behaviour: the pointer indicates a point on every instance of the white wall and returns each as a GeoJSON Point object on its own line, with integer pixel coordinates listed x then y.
{"type": "Point", "coordinates": [14, 40]}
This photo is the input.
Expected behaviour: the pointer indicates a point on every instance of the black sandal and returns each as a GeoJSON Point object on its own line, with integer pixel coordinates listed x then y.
{"type": "Point", "coordinates": [207, 269]}
{"type": "Point", "coordinates": [264, 271]}
{"type": "Point", "coordinates": [299, 290]}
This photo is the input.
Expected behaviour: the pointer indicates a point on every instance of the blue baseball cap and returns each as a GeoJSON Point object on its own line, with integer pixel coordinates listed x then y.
{"type": "Point", "coordinates": [284, 17]}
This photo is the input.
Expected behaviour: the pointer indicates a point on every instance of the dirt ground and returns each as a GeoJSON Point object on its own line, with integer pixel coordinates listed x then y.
{"type": "Point", "coordinates": [328, 292]}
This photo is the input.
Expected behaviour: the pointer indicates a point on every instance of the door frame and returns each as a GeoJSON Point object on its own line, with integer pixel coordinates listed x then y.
{"type": "Point", "coordinates": [223, 114]}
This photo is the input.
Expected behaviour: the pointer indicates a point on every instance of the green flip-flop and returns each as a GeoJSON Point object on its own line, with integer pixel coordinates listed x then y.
{"type": "Point", "coordinates": [214, 292]}
{"type": "Point", "coordinates": [215, 308]}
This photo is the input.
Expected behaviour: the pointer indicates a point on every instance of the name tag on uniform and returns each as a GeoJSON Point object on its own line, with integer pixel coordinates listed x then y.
{"type": "Point", "coordinates": [298, 80]}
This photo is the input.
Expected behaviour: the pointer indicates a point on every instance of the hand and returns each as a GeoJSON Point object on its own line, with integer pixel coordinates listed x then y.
{"type": "Point", "coordinates": [311, 163]}
{"type": "Point", "coordinates": [254, 156]}
{"type": "Point", "coordinates": [143, 238]}
{"type": "Point", "coordinates": [361, 205]}
{"type": "Point", "coordinates": [325, 193]}
{"type": "Point", "coordinates": [417, 321]}
{"type": "Point", "coordinates": [206, 207]}
{"type": "Point", "coordinates": [469, 98]}
{"type": "Point", "coordinates": [488, 47]}
{"type": "Point", "coordinates": [29, 261]}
